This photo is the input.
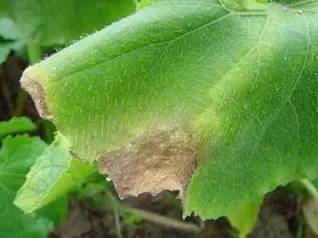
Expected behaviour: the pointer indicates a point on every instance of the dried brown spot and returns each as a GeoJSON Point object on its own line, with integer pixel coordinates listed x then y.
{"type": "Point", "coordinates": [36, 91]}
{"type": "Point", "coordinates": [160, 160]}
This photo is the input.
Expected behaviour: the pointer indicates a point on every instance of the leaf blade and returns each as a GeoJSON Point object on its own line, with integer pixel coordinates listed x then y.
{"type": "Point", "coordinates": [16, 125]}
{"type": "Point", "coordinates": [54, 173]}
{"type": "Point", "coordinates": [244, 82]}
{"type": "Point", "coordinates": [16, 156]}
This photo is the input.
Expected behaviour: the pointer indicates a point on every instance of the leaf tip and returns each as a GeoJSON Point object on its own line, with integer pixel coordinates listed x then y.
{"type": "Point", "coordinates": [31, 85]}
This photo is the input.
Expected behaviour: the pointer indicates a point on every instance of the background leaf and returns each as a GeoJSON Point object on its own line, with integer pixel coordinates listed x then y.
{"type": "Point", "coordinates": [54, 174]}
{"type": "Point", "coordinates": [16, 125]}
{"type": "Point", "coordinates": [45, 23]}
{"type": "Point", "coordinates": [16, 157]}
{"type": "Point", "coordinates": [8, 29]}
{"type": "Point", "coordinates": [10, 38]}
{"type": "Point", "coordinates": [5, 8]}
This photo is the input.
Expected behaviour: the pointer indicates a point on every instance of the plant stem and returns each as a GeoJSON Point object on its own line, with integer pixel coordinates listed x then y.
{"type": "Point", "coordinates": [118, 226]}
{"type": "Point", "coordinates": [300, 231]}
{"type": "Point", "coordinates": [156, 218]}
{"type": "Point", "coordinates": [166, 221]}
{"type": "Point", "coordinates": [34, 52]}
{"type": "Point", "coordinates": [5, 91]}
{"type": "Point", "coordinates": [312, 190]}
{"type": "Point", "coordinates": [20, 102]}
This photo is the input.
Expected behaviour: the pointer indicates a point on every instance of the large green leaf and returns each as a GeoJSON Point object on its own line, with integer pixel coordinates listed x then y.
{"type": "Point", "coordinates": [243, 83]}
{"type": "Point", "coordinates": [54, 174]}
{"type": "Point", "coordinates": [16, 157]}
{"type": "Point", "coordinates": [53, 22]}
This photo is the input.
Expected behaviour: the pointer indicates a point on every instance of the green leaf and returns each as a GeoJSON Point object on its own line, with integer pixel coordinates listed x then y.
{"type": "Point", "coordinates": [143, 3]}
{"type": "Point", "coordinates": [54, 174]}
{"type": "Point", "coordinates": [8, 29]}
{"type": "Point", "coordinates": [57, 22]}
{"type": "Point", "coordinates": [4, 8]}
{"type": "Point", "coordinates": [10, 38]}
{"type": "Point", "coordinates": [16, 157]}
{"type": "Point", "coordinates": [16, 125]}
{"type": "Point", "coordinates": [243, 84]}
{"type": "Point", "coordinates": [55, 211]}
{"type": "Point", "coordinates": [7, 46]}
{"type": "Point", "coordinates": [306, 5]}
{"type": "Point", "coordinates": [5, 49]}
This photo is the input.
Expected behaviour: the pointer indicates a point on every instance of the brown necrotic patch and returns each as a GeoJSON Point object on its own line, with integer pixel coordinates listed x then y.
{"type": "Point", "coordinates": [162, 159]}
{"type": "Point", "coordinates": [36, 91]}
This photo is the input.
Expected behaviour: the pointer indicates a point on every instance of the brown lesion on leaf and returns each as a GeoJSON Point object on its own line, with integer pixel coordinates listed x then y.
{"type": "Point", "coordinates": [36, 91]}
{"type": "Point", "coordinates": [162, 159]}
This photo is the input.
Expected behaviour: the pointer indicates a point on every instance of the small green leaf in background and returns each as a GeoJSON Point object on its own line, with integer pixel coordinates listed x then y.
{"type": "Point", "coordinates": [7, 46]}
{"type": "Point", "coordinates": [10, 38]}
{"type": "Point", "coordinates": [8, 29]}
{"type": "Point", "coordinates": [58, 22]}
{"type": "Point", "coordinates": [54, 174]}
{"type": "Point", "coordinates": [16, 125]}
{"type": "Point", "coordinates": [16, 157]}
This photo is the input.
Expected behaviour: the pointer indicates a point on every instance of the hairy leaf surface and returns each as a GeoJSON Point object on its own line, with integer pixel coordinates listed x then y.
{"type": "Point", "coordinates": [244, 83]}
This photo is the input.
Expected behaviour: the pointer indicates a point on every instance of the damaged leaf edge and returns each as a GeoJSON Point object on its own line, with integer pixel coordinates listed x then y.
{"type": "Point", "coordinates": [158, 160]}
{"type": "Point", "coordinates": [31, 85]}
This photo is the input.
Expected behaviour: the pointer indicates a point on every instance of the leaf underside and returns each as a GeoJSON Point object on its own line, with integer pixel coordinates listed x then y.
{"type": "Point", "coordinates": [243, 82]}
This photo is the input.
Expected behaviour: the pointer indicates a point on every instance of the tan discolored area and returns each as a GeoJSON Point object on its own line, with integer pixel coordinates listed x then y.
{"type": "Point", "coordinates": [159, 160]}
{"type": "Point", "coordinates": [36, 91]}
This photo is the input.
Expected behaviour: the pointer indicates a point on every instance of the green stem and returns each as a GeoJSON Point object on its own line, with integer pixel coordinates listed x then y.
{"type": "Point", "coordinates": [312, 190]}
{"type": "Point", "coordinates": [166, 221]}
{"type": "Point", "coordinates": [20, 103]}
{"type": "Point", "coordinates": [300, 231]}
{"type": "Point", "coordinates": [34, 52]}
{"type": "Point", "coordinates": [154, 218]}
{"type": "Point", "coordinates": [118, 226]}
